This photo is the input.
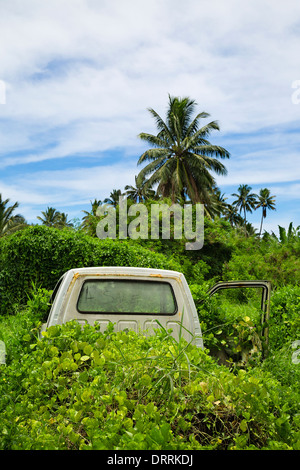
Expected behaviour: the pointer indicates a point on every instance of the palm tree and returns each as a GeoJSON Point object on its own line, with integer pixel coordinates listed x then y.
{"type": "Point", "coordinates": [219, 204]}
{"type": "Point", "coordinates": [245, 200]}
{"type": "Point", "coordinates": [247, 229]}
{"type": "Point", "coordinates": [140, 192]}
{"type": "Point", "coordinates": [114, 197]}
{"type": "Point", "coordinates": [265, 201]}
{"type": "Point", "coordinates": [231, 214]}
{"type": "Point", "coordinates": [95, 204]}
{"type": "Point", "coordinates": [8, 222]}
{"type": "Point", "coordinates": [53, 218]}
{"type": "Point", "coordinates": [16, 222]}
{"type": "Point", "coordinates": [63, 221]}
{"type": "Point", "coordinates": [50, 217]}
{"type": "Point", "coordinates": [90, 220]}
{"type": "Point", "coordinates": [182, 159]}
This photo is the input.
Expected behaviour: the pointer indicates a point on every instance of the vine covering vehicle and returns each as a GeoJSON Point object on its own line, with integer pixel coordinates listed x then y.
{"type": "Point", "coordinates": [142, 299]}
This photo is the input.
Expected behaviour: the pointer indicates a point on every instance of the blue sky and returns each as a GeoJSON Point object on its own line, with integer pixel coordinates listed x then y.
{"type": "Point", "coordinates": [78, 76]}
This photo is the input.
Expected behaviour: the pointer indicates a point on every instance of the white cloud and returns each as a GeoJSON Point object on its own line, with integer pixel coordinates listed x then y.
{"type": "Point", "coordinates": [264, 167]}
{"type": "Point", "coordinates": [69, 190]}
{"type": "Point", "coordinates": [80, 74]}
{"type": "Point", "coordinates": [84, 182]}
{"type": "Point", "coordinates": [114, 59]}
{"type": "Point", "coordinates": [287, 192]}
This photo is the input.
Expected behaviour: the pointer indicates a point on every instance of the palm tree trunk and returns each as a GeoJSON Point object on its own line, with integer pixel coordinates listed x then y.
{"type": "Point", "coordinates": [261, 224]}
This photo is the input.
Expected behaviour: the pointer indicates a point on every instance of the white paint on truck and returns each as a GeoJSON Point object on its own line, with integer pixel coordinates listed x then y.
{"type": "Point", "coordinates": [133, 298]}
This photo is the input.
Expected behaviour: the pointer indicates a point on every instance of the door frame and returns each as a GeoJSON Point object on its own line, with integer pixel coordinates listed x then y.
{"type": "Point", "coordinates": [266, 287]}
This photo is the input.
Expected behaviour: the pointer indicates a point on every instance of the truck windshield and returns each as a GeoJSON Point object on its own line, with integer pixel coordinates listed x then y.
{"type": "Point", "coordinates": [126, 296]}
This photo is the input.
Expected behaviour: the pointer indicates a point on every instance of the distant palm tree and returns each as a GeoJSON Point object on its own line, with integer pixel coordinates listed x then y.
{"type": "Point", "coordinates": [245, 200]}
{"type": "Point", "coordinates": [8, 222]}
{"type": "Point", "coordinates": [219, 204]}
{"type": "Point", "coordinates": [95, 204]}
{"type": "Point", "coordinates": [17, 222]}
{"type": "Point", "coordinates": [265, 201]}
{"type": "Point", "coordinates": [247, 229]}
{"type": "Point", "coordinates": [114, 197]}
{"type": "Point", "coordinates": [139, 192]}
{"type": "Point", "coordinates": [181, 158]}
{"type": "Point", "coordinates": [63, 221]}
{"type": "Point", "coordinates": [231, 214]}
{"type": "Point", "coordinates": [51, 217]}
{"type": "Point", "coordinates": [88, 221]}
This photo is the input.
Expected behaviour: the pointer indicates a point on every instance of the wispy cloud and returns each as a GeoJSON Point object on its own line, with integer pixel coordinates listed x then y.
{"type": "Point", "coordinates": [262, 167]}
{"type": "Point", "coordinates": [69, 190]}
{"type": "Point", "coordinates": [80, 75]}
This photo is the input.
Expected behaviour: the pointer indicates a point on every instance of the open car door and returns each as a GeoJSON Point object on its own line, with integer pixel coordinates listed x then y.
{"type": "Point", "coordinates": [265, 287]}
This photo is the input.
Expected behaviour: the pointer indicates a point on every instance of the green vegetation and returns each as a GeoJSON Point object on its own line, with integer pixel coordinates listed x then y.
{"type": "Point", "coordinates": [88, 389]}
{"type": "Point", "coordinates": [41, 254]}
{"type": "Point", "coordinates": [53, 218]}
{"type": "Point", "coordinates": [182, 159]}
{"type": "Point", "coordinates": [9, 222]}
{"type": "Point", "coordinates": [84, 388]}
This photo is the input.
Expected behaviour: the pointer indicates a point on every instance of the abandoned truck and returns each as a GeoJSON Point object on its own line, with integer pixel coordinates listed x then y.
{"type": "Point", "coordinates": [141, 299]}
{"type": "Point", "coordinates": [131, 298]}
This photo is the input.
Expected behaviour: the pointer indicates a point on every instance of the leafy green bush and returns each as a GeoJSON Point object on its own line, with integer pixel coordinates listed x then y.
{"type": "Point", "coordinates": [285, 316]}
{"type": "Point", "coordinates": [41, 254]}
{"type": "Point", "coordinates": [231, 329]}
{"type": "Point", "coordinates": [87, 389]}
{"type": "Point", "coordinates": [16, 330]}
{"type": "Point", "coordinates": [281, 365]}
{"type": "Point", "coordinates": [84, 389]}
{"type": "Point", "coordinates": [260, 260]}
{"type": "Point", "coordinates": [284, 336]}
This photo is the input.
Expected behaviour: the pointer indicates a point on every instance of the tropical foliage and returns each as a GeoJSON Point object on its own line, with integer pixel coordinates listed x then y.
{"type": "Point", "coordinates": [139, 192]}
{"type": "Point", "coordinates": [114, 197]}
{"type": "Point", "coordinates": [10, 222]}
{"type": "Point", "coordinates": [182, 159]}
{"type": "Point", "coordinates": [265, 201]}
{"type": "Point", "coordinates": [245, 200]}
{"type": "Point", "coordinates": [53, 218]}
{"type": "Point", "coordinates": [81, 388]}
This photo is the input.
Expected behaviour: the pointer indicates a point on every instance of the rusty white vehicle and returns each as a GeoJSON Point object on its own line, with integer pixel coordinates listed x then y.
{"type": "Point", "coordinates": [137, 298]}
{"type": "Point", "coordinates": [142, 299]}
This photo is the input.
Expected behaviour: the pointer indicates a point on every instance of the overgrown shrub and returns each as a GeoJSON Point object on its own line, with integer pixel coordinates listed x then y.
{"type": "Point", "coordinates": [23, 327]}
{"type": "Point", "coordinates": [84, 389]}
{"type": "Point", "coordinates": [40, 255]}
{"type": "Point", "coordinates": [285, 316]}
{"type": "Point", "coordinates": [277, 263]}
{"type": "Point", "coordinates": [231, 329]}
